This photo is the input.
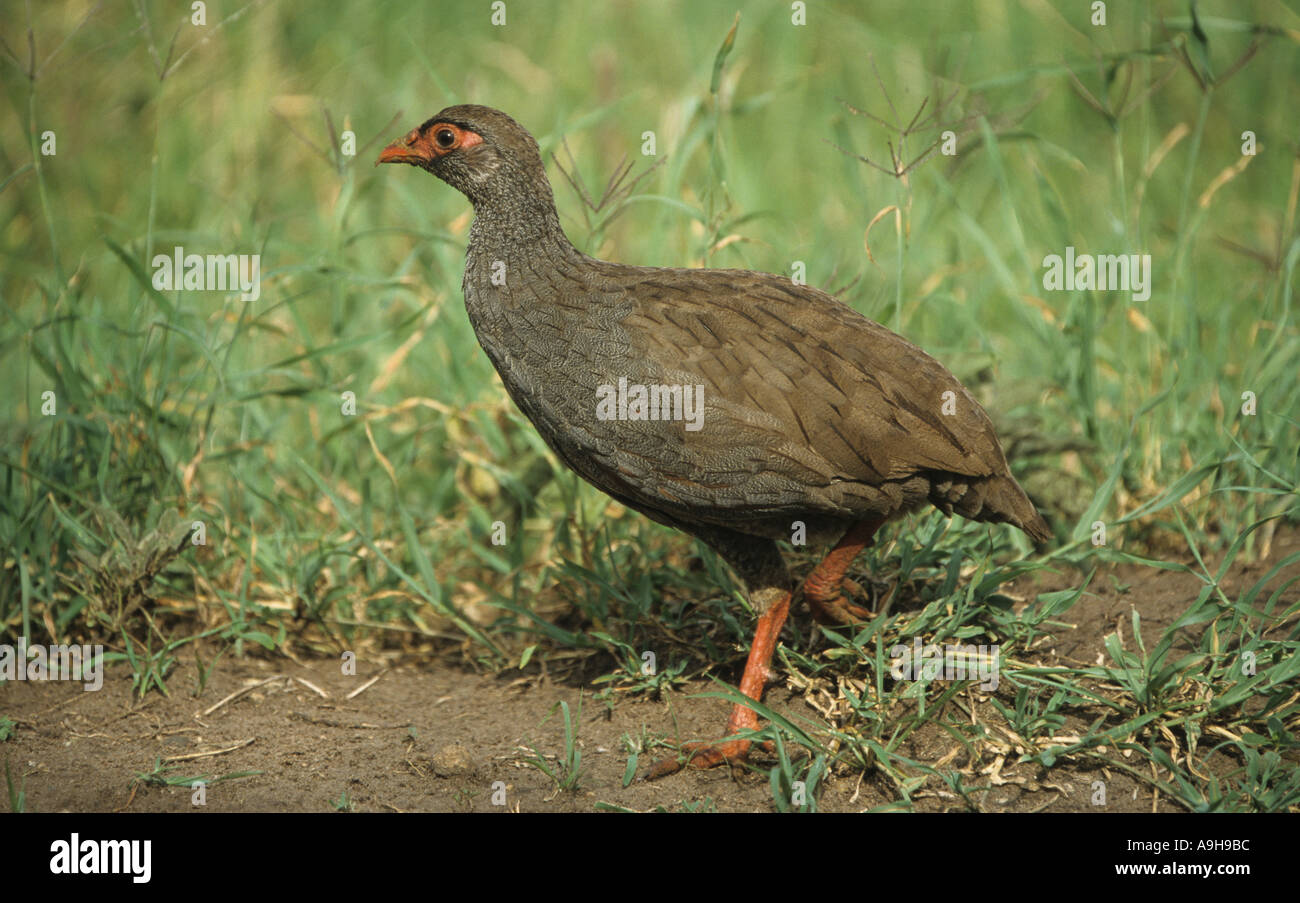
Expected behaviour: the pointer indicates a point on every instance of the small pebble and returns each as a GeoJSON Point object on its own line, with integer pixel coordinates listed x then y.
{"type": "Point", "coordinates": [452, 760]}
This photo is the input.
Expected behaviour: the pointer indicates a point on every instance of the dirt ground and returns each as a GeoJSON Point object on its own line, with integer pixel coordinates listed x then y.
{"type": "Point", "coordinates": [433, 736]}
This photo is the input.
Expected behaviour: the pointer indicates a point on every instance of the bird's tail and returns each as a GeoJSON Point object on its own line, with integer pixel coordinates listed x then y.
{"type": "Point", "coordinates": [1005, 502]}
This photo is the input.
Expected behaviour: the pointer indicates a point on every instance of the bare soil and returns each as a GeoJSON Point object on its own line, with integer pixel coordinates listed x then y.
{"type": "Point", "coordinates": [432, 735]}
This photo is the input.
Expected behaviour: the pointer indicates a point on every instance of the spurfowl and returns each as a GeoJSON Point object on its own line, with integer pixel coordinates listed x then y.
{"type": "Point", "coordinates": [738, 407]}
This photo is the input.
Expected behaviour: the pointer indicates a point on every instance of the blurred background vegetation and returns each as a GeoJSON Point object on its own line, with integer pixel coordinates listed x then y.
{"type": "Point", "coordinates": [323, 528]}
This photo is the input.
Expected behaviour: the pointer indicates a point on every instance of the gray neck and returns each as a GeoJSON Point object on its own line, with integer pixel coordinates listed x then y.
{"type": "Point", "coordinates": [520, 226]}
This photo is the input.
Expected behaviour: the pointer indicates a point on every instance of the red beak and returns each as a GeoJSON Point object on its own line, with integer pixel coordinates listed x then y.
{"type": "Point", "coordinates": [410, 149]}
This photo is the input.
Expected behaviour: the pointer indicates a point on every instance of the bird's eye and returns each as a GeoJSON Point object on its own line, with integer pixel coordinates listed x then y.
{"type": "Point", "coordinates": [445, 138]}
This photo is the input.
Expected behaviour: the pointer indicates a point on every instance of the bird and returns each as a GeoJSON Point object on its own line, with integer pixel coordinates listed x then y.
{"type": "Point", "coordinates": [741, 408]}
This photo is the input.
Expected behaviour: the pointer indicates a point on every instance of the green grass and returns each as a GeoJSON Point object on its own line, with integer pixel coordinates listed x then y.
{"type": "Point", "coordinates": [344, 803]}
{"type": "Point", "coordinates": [164, 776]}
{"type": "Point", "coordinates": [17, 794]}
{"type": "Point", "coordinates": [566, 769]}
{"type": "Point", "coordinates": [327, 531]}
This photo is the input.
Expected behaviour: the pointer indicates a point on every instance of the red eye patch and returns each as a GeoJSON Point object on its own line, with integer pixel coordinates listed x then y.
{"type": "Point", "coordinates": [445, 137]}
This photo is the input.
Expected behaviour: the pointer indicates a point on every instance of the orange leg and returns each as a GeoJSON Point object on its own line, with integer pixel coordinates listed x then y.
{"type": "Point", "coordinates": [823, 587]}
{"type": "Point", "coordinates": [752, 682]}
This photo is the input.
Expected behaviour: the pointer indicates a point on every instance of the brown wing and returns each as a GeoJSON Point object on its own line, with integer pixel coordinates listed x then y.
{"type": "Point", "coordinates": [811, 411]}
{"type": "Point", "coordinates": [811, 405]}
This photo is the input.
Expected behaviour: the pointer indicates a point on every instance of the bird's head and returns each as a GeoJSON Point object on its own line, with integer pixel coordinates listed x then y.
{"type": "Point", "coordinates": [479, 151]}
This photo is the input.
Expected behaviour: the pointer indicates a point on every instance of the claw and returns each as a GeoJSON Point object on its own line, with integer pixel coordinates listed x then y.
{"type": "Point", "coordinates": [837, 612]}
{"type": "Point", "coordinates": [704, 755]}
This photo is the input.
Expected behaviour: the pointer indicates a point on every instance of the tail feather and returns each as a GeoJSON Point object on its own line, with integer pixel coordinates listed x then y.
{"type": "Point", "coordinates": [1007, 503]}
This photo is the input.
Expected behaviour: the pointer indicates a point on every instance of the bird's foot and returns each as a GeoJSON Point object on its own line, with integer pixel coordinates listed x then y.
{"type": "Point", "coordinates": [837, 611]}
{"type": "Point", "coordinates": [855, 589]}
{"type": "Point", "coordinates": [825, 584]}
{"type": "Point", "coordinates": [703, 755]}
